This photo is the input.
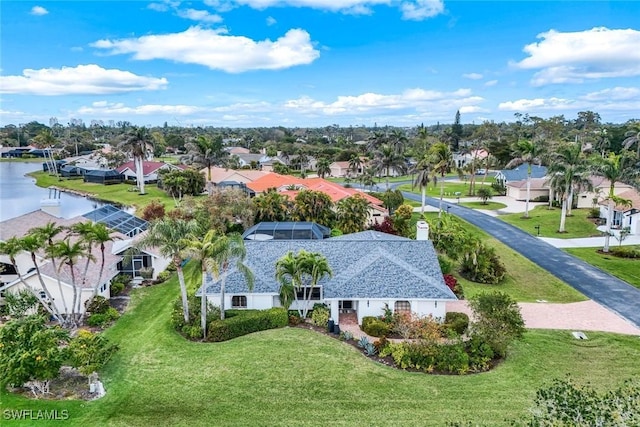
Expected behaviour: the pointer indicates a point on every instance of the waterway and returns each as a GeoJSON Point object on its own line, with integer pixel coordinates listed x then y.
{"type": "Point", "coordinates": [20, 195]}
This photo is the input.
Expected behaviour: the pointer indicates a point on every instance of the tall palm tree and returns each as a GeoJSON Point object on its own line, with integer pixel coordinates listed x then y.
{"type": "Point", "coordinates": [69, 253]}
{"type": "Point", "coordinates": [569, 172]}
{"type": "Point", "coordinates": [385, 158]}
{"type": "Point", "coordinates": [525, 151]}
{"type": "Point", "coordinates": [422, 179]}
{"type": "Point", "coordinates": [441, 159]}
{"type": "Point", "coordinates": [138, 144]}
{"type": "Point", "coordinates": [375, 140]}
{"type": "Point", "coordinates": [47, 233]}
{"type": "Point", "coordinates": [12, 248]}
{"type": "Point", "coordinates": [206, 152]}
{"type": "Point", "coordinates": [169, 236]}
{"type": "Point", "coordinates": [399, 140]}
{"type": "Point", "coordinates": [301, 272]}
{"type": "Point", "coordinates": [616, 168]}
{"type": "Point", "coordinates": [228, 252]}
{"type": "Point", "coordinates": [32, 243]}
{"type": "Point", "coordinates": [355, 163]}
{"type": "Point", "coordinates": [201, 251]}
{"type": "Point", "coordinates": [323, 167]}
{"type": "Point", "coordinates": [632, 136]}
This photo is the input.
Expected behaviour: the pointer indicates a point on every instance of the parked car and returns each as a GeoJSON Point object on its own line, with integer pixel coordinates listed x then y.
{"type": "Point", "coordinates": [481, 172]}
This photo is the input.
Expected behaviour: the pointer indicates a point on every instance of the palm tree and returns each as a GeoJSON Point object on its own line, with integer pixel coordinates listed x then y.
{"type": "Point", "coordinates": [632, 136]}
{"type": "Point", "coordinates": [138, 144]}
{"type": "Point", "coordinates": [271, 206]}
{"type": "Point", "coordinates": [46, 233]}
{"type": "Point", "coordinates": [399, 140]}
{"type": "Point", "coordinates": [168, 235]}
{"type": "Point", "coordinates": [376, 140]}
{"type": "Point", "coordinates": [69, 254]}
{"type": "Point", "coordinates": [569, 173]}
{"type": "Point", "coordinates": [301, 272]}
{"type": "Point", "coordinates": [616, 168]}
{"type": "Point", "coordinates": [206, 152]}
{"type": "Point", "coordinates": [525, 151]}
{"type": "Point", "coordinates": [228, 252]}
{"type": "Point", "coordinates": [32, 243]}
{"type": "Point", "coordinates": [422, 179]}
{"type": "Point", "coordinates": [12, 248]}
{"type": "Point", "coordinates": [323, 167]}
{"type": "Point", "coordinates": [442, 162]}
{"type": "Point", "coordinates": [201, 251]}
{"type": "Point", "coordinates": [355, 163]}
{"type": "Point", "coordinates": [385, 158]}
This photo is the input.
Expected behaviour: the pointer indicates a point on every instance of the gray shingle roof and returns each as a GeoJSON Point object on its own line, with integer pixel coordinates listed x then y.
{"type": "Point", "coordinates": [393, 268]}
{"type": "Point", "coordinates": [519, 173]}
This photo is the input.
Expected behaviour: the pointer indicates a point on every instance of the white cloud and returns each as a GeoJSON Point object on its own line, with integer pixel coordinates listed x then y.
{"type": "Point", "coordinates": [271, 21]}
{"type": "Point", "coordinates": [591, 54]}
{"type": "Point", "coordinates": [418, 10]}
{"type": "Point", "coordinates": [105, 108]}
{"type": "Point", "coordinates": [491, 83]}
{"type": "Point", "coordinates": [473, 76]}
{"type": "Point", "coordinates": [38, 11]}
{"type": "Point", "coordinates": [614, 94]}
{"type": "Point", "coordinates": [83, 79]}
{"type": "Point", "coordinates": [536, 104]}
{"type": "Point", "coordinates": [199, 15]}
{"type": "Point", "coordinates": [216, 50]}
{"type": "Point", "coordinates": [411, 9]}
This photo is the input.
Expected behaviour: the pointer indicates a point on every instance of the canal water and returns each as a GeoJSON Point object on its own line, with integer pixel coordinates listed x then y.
{"type": "Point", "coordinates": [20, 195]}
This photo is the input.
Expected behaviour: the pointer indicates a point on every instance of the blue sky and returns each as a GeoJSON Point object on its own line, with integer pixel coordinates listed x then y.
{"type": "Point", "coordinates": [243, 63]}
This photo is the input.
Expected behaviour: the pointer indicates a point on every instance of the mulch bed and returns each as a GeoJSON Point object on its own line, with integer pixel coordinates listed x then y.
{"type": "Point", "coordinates": [71, 384]}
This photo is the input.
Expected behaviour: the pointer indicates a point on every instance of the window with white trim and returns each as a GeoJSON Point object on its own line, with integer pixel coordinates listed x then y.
{"type": "Point", "coordinates": [239, 301]}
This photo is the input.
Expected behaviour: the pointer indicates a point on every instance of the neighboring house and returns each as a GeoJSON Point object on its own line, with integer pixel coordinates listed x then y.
{"type": "Point", "coordinates": [342, 169]}
{"type": "Point", "coordinates": [371, 271]}
{"type": "Point", "coordinates": [221, 175]}
{"type": "Point", "coordinates": [624, 216]}
{"type": "Point", "coordinates": [287, 230]}
{"type": "Point", "coordinates": [58, 279]}
{"type": "Point", "coordinates": [238, 150]}
{"type": "Point", "coordinates": [539, 189]}
{"type": "Point", "coordinates": [291, 185]}
{"type": "Point", "coordinates": [519, 173]}
{"type": "Point", "coordinates": [103, 176]}
{"type": "Point", "coordinates": [462, 159]}
{"type": "Point", "coordinates": [139, 263]}
{"type": "Point", "coordinates": [601, 187]}
{"type": "Point", "coordinates": [150, 170]}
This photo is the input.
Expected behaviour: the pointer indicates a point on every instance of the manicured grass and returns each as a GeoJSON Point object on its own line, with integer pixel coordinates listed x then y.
{"type": "Point", "coordinates": [298, 377]}
{"type": "Point", "coordinates": [577, 225]}
{"type": "Point", "coordinates": [524, 281]}
{"type": "Point", "coordinates": [21, 160]}
{"type": "Point", "coordinates": [450, 189]}
{"type": "Point", "coordinates": [624, 268]}
{"type": "Point", "coordinates": [117, 193]}
{"type": "Point", "coordinates": [490, 206]}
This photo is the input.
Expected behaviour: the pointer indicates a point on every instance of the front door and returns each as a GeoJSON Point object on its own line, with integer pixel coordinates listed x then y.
{"type": "Point", "coordinates": [137, 266]}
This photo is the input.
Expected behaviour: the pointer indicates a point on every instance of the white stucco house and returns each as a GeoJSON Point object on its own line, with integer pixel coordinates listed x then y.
{"type": "Point", "coordinates": [371, 270]}
{"type": "Point", "coordinates": [150, 170]}
{"type": "Point", "coordinates": [624, 216]}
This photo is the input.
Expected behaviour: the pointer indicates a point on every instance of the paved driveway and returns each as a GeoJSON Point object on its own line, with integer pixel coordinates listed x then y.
{"type": "Point", "coordinates": [607, 290]}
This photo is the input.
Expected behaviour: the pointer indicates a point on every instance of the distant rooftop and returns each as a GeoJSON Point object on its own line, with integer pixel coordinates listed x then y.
{"type": "Point", "coordinates": [117, 219]}
{"type": "Point", "coordinates": [287, 231]}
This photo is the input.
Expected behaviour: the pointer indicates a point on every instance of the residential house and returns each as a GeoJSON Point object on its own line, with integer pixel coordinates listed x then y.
{"type": "Point", "coordinates": [462, 159]}
{"type": "Point", "coordinates": [624, 215]}
{"type": "Point", "coordinates": [150, 170]}
{"type": "Point", "coordinates": [600, 190]}
{"type": "Point", "coordinates": [371, 271]}
{"type": "Point", "coordinates": [342, 169]}
{"type": "Point", "coordinates": [220, 176]}
{"type": "Point", "coordinates": [539, 189]}
{"type": "Point", "coordinates": [520, 173]}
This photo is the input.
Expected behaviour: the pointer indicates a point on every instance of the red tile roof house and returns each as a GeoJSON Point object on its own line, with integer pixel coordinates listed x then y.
{"type": "Point", "coordinates": [284, 184]}
{"type": "Point", "coordinates": [150, 170]}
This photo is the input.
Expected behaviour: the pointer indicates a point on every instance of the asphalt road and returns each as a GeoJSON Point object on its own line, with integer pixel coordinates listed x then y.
{"type": "Point", "coordinates": [609, 291]}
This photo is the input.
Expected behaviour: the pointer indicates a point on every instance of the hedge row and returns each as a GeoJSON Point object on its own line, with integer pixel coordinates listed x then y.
{"type": "Point", "coordinates": [242, 323]}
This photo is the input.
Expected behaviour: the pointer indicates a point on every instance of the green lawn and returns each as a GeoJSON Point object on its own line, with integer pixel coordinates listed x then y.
{"type": "Point", "coordinates": [117, 193]}
{"type": "Point", "coordinates": [22, 160]}
{"type": "Point", "coordinates": [450, 189]}
{"type": "Point", "coordinates": [298, 377]}
{"type": "Point", "coordinates": [525, 281]}
{"type": "Point", "coordinates": [491, 206]}
{"type": "Point", "coordinates": [577, 225]}
{"type": "Point", "coordinates": [623, 268]}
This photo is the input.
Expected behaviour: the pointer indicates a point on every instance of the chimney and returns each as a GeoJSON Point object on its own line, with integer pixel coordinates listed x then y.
{"type": "Point", "coordinates": [422, 232]}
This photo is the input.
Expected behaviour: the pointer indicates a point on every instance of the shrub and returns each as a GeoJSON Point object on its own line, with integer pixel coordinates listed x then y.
{"type": "Point", "coordinates": [483, 265]}
{"type": "Point", "coordinates": [375, 327]}
{"type": "Point", "coordinates": [500, 189]}
{"type": "Point", "coordinates": [410, 326]}
{"type": "Point", "coordinates": [480, 354]}
{"type": "Point", "coordinates": [346, 335]}
{"type": "Point", "coordinates": [163, 276]}
{"type": "Point", "coordinates": [103, 319]}
{"type": "Point", "coordinates": [294, 318]}
{"type": "Point", "coordinates": [544, 199]}
{"type": "Point", "coordinates": [452, 358]}
{"type": "Point", "coordinates": [381, 344]}
{"type": "Point", "coordinates": [362, 342]}
{"type": "Point", "coordinates": [154, 210]}
{"type": "Point", "coordinates": [320, 315]}
{"type": "Point", "coordinates": [370, 349]}
{"type": "Point", "coordinates": [116, 288]}
{"type": "Point", "coordinates": [89, 352]}
{"type": "Point", "coordinates": [498, 320]}
{"type": "Point", "coordinates": [97, 305]}
{"type": "Point", "coordinates": [594, 213]}
{"type": "Point", "coordinates": [624, 252]}
{"type": "Point", "coordinates": [18, 304]}
{"type": "Point", "coordinates": [246, 323]}
{"type": "Point", "coordinates": [177, 317]}
{"type": "Point", "coordinates": [446, 265]}
{"type": "Point", "coordinates": [193, 332]}
{"type": "Point", "coordinates": [457, 322]}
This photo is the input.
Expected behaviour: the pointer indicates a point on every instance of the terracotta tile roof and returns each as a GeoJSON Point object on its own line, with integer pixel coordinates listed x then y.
{"type": "Point", "coordinates": [274, 180]}
{"type": "Point", "coordinates": [632, 195]}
